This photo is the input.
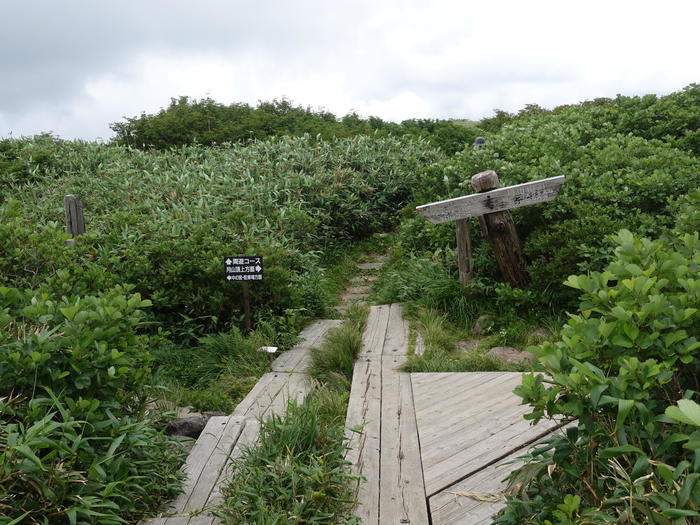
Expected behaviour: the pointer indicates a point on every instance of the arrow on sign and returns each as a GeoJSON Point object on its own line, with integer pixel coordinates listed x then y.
{"type": "Point", "coordinates": [258, 268]}
{"type": "Point", "coordinates": [229, 277]}
{"type": "Point", "coordinates": [228, 261]}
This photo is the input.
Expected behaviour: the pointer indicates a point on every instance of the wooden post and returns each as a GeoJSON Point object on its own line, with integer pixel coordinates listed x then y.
{"type": "Point", "coordinates": [464, 251]}
{"type": "Point", "coordinates": [502, 236]}
{"type": "Point", "coordinates": [246, 307]}
{"type": "Point", "coordinates": [75, 221]}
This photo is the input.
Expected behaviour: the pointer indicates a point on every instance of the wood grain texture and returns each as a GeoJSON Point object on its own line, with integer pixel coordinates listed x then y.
{"type": "Point", "coordinates": [363, 429]}
{"type": "Point", "coordinates": [466, 421]}
{"type": "Point", "coordinates": [396, 336]}
{"type": "Point", "coordinates": [375, 330]}
{"type": "Point", "coordinates": [493, 201]}
{"type": "Point", "coordinates": [453, 506]}
{"type": "Point", "coordinates": [298, 358]}
{"type": "Point", "coordinates": [401, 492]}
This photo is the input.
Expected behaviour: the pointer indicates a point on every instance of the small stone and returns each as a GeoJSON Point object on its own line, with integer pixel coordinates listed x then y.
{"type": "Point", "coordinates": [508, 354]}
{"type": "Point", "coordinates": [467, 346]}
{"type": "Point", "coordinates": [483, 325]}
{"type": "Point", "coordinates": [188, 426]}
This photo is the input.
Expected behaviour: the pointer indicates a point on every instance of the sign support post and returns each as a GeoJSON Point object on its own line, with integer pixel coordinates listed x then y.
{"type": "Point", "coordinates": [490, 205]}
{"type": "Point", "coordinates": [244, 268]}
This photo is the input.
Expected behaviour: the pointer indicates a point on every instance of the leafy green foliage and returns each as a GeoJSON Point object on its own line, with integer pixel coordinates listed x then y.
{"type": "Point", "coordinates": [617, 176]}
{"type": "Point", "coordinates": [296, 473]}
{"type": "Point", "coordinates": [73, 447]}
{"type": "Point", "coordinates": [187, 122]}
{"type": "Point", "coordinates": [632, 351]}
{"type": "Point", "coordinates": [162, 221]}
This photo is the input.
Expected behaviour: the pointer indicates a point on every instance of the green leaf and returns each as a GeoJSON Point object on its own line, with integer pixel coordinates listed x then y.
{"type": "Point", "coordinates": [611, 452]}
{"type": "Point", "coordinates": [686, 411]}
{"type": "Point", "coordinates": [624, 406]}
{"type": "Point", "coordinates": [27, 452]}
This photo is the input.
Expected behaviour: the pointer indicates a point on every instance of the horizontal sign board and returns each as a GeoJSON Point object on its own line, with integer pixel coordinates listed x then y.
{"type": "Point", "coordinates": [243, 268]}
{"type": "Point", "coordinates": [492, 201]}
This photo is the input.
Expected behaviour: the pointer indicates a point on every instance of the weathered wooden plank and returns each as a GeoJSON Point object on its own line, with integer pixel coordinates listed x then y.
{"type": "Point", "coordinates": [296, 387]}
{"type": "Point", "coordinates": [496, 200]}
{"type": "Point", "coordinates": [363, 433]}
{"type": "Point", "coordinates": [261, 395]}
{"type": "Point", "coordinates": [197, 460]}
{"type": "Point", "coordinates": [375, 331]}
{"type": "Point", "coordinates": [298, 357]}
{"type": "Point", "coordinates": [467, 421]}
{"type": "Point", "coordinates": [464, 251]}
{"type": "Point", "coordinates": [248, 437]}
{"type": "Point", "coordinates": [215, 464]}
{"type": "Point", "coordinates": [453, 506]}
{"type": "Point", "coordinates": [396, 338]}
{"type": "Point", "coordinates": [402, 493]}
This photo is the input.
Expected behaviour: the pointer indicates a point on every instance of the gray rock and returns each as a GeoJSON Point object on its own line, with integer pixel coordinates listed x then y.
{"type": "Point", "coordinates": [467, 346]}
{"type": "Point", "coordinates": [189, 426]}
{"type": "Point", "coordinates": [508, 354]}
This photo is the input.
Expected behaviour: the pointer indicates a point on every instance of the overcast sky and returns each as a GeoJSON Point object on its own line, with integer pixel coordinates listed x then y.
{"type": "Point", "coordinates": [73, 66]}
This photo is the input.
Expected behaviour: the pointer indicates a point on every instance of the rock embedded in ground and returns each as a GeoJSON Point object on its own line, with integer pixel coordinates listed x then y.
{"type": "Point", "coordinates": [466, 346]}
{"type": "Point", "coordinates": [189, 426]}
{"type": "Point", "coordinates": [370, 266]}
{"type": "Point", "coordinates": [508, 354]}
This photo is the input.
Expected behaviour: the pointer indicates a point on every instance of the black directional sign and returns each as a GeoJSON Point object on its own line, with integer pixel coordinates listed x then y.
{"type": "Point", "coordinates": [243, 268]}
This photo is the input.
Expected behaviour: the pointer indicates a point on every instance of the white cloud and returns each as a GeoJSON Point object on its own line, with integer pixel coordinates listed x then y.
{"type": "Point", "coordinates": [84, 64]}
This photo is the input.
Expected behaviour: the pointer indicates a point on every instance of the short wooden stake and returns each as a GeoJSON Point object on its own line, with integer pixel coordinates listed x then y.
{"type": "Point", "coordinates": [502, 235]}
{"type": "Point", "coordinates": [75, 221]}
{"type": "Point", "coordinates": [246, 307]}
{"type": "Point", "coordinates": [464, 251]}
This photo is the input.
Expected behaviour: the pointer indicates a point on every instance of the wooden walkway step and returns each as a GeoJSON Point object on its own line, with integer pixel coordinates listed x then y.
{"type": "Point", "coordinates": [225, 437]}
{"type": "Point", "coordinates": [381, 426]}
{"type": "Point", "coordinates": [426, 443]}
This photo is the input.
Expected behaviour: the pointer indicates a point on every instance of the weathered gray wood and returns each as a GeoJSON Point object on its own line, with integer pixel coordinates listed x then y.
{"type": "Point", "coordinates": [497, 200]}
{"type": "Point", "coordinates": [501, 233]}
{"type": "Point", "coordinates": [298, 358]}
{"type": "Point", "coordinates": [261, 396]}
{"type": "Point", "coordinates": [464, 251]}
{"type": "Point", "coordinates": [454, 506]}
{"type": "Point", "coordinates": [375, 331]}
{"type": "Point", "coordinates": [201, 492]}
{"type": "Point", "coordinates": [466, 421]}
{"type": "Point", "coordinates": [420, 345]}
{"type": "Point", "coordinates": [402, 492]}
{"type": "Point", "coordinates": [75, 220]}
{"type": "Point", "coordinates": [295, 387]}
{"type": "Point", "coordinates": [362, 425]}
{"type": "Point", "coordinates": [197, 460]}
{"type": "Point", "coordinates": [248, 438]}
{"type": "Point", "coordinates": [396, 336]}
{"type": "Point", "coordinates": [370, 266]}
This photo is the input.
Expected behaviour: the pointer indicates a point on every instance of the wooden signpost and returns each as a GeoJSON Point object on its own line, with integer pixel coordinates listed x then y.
{"type": "Point", "coordinates": [491, 204]}
{"type": "Point", "coordinates": [244, 268]}
{"type": "Point", "coordinates": [75, 221]}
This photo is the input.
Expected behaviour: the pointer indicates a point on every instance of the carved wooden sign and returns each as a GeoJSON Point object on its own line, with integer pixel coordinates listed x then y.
{"type": "Point", "coordinates": [495, 200]}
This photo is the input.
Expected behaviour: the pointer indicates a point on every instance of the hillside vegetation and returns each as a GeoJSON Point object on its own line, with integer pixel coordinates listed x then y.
{"type": "Point", "coordinates": [91, 334]}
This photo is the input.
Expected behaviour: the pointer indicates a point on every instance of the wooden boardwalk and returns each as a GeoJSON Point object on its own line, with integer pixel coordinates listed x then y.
{"type": "Point", "coordinates": [429, 445]}
{"type": "Point", "coordinates": [225, 437]}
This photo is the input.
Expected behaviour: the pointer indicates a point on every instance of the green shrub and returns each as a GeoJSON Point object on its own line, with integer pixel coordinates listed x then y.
{"type": "Point", "coordinates": [632, 351]}
{"type": "Point", "coordinates": [74, 375]}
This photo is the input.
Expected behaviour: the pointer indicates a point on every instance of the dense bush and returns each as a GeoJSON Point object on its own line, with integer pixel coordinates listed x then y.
{"type": "Point", "coordinates": [613, 181]}
{"type": "Point", "coordinates": [163, 221]}
{"type": "Point", "coordinates": [630, 354]}
{"type": "Point", "coordinates": [189, 121]}
{"type": "Point", "coordinates": [73, 447]}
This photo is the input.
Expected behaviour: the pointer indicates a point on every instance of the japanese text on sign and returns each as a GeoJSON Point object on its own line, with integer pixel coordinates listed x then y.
{"type": "Point", "coordinates": [243, 268]}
